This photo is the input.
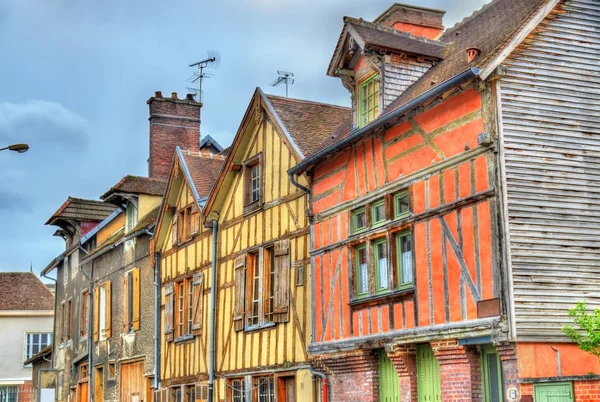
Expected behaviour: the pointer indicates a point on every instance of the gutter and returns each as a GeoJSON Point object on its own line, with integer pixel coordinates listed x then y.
{"type": "Point", "coordinates": [156, 324]}
{"type": "Point", "coordinates": [213, 294]}
{"type": "Point", "coordinates": [54, 315]}
{"type": "Point", "coordinates": [431, 94]}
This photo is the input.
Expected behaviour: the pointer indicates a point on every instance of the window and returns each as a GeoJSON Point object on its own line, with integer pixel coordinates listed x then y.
{"type": "Point", "coordinates": [401, 205]}
{"type": "Point", "coordinates": [180, 308]}
{"type": "Point", "coordinates": [368, 100]}
{"type": "Point", "coordinates": [131, 217]}
{"type": "Point", "coordinates": [253, 182]}
{"type": "Point", "coordinates": [378, 213]}
{"type": "Point", "coordinates": [404, 258]}
{"type": "Point", "coordinates": [176, 394]}
{"type": "Point", "coordinates": [186, 296]}
{"type": "Point", "coordinates": [262, 282]}
{"type": "Point", "coordinates": [9, 394]}
{"type": "Point", "coordinates": [132, 300]}
{"type": "Point", "coordinates": [36, 342]}
{"type": "Point", "coordinates": [85, 314]}
{"type": "Point", "coordinates": [112, 371]}
{"type": "Point", "coordinates": [190, 393]}
{"type": "Point", "coordinates": [83, 371]}
{"type": "Point", "coordinates": [102, 312]}
{"type": "Point", "coordinates": [300, 275]}
{"type": "Point", "coordinates": [362, 272]}
{"type": "Point", "coordinates": [67, 310]}
{"type": "Point", "coordinates": [237, 390]}
{"type": "Point", "coordinates": [264, 389]}
{"type": "Point", "coordinates": [359, 220]}
{"type": "Point", "coordinates": [189, 305]}
{"type": "Point", "coordinates": [381, 266]}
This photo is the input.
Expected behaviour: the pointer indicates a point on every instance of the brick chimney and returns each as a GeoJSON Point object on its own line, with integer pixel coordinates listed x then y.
{"type": "Point", "coordinates": [173, 122]}
{"type": "Point", "coordinates": [419, 21]}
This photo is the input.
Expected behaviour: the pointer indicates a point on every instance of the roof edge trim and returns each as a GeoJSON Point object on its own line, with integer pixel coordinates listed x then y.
{"type": "Point", "coordinates": [280, 123]}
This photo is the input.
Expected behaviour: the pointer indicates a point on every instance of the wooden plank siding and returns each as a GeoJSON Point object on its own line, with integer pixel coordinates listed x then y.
{"type": "Point", "coordinates": [550, 108]}
{"type": "Point", "coordinates": [435, 156]}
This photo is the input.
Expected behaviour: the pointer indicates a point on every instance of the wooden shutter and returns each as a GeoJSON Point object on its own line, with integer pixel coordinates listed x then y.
{"type": "Point", "coordinates": [201, 392]}
{"type": "Point", "coordinates": [96, 315]}
{"type": "Point", "coordinates": [174, 228]}
{"type": "Point", "coordinates": [240, 292]}
{"type": "Point", "coordinates": [127, 306]}
{"type": "Point", "coordinates": [108, 310]}
{"type": "Point", "coordinates": [282, 281]}
{"type": "Point", "coordinates": [169, 312]}
{"type": "Point", "coordinates": [197, 297]}
{"type": "Point", "coordinates": [195, 220]}
{"type": "Point", "coordinates": [136, 299]}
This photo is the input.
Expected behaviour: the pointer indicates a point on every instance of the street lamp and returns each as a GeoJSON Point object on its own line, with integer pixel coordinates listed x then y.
{"type": "Point", "coordinates": [20, 148]}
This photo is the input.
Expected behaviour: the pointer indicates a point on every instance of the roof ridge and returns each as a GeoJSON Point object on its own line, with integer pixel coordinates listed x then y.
{"type": "Point", "coordinates": [393, 31]}
{"type": "Point", "coordinates": [202, 155]}
{"type": "Point", "coordinates": [307, 101]}
{"type": "Point", "coordinates": [468, 18]}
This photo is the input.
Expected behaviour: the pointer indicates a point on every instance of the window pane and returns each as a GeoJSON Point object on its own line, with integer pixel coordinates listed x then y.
{"type": "Point", "coordinates": [402, 204]}
{"type": "Point", "coordinates": [359, 219]}
{"type": "Point", "coordinates": [379, 212]}
{"type": "Point", "coordinates": [363, 274]}
{"type": "Point", "coordinates": [406, 255]}
{"type": "Point", "coordinates": [381, 253]}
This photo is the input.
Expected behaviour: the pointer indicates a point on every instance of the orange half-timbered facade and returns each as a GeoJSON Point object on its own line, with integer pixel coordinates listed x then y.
{"type": "Point", "coordinates": [426, 242]}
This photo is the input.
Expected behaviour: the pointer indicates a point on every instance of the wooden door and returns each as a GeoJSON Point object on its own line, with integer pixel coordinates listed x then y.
{"type": "Point", "coordinates": [553, 392]}
{"type": "Point", "coordinates": [389, 386]}
{"type": "Point", "coordinates": [82, 392]}
{"type": "Point", "coordinates": [132, 382]}
{"type": "Point", "coordinates": [492, 375]}
{"type": "Point", "coordinates": [286, 389]}
{"type": "Point", "coordinates": [428, 375]}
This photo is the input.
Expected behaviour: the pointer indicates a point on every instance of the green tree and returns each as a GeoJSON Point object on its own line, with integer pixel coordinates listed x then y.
{"type": "Point", "coordinates": [586, 332]}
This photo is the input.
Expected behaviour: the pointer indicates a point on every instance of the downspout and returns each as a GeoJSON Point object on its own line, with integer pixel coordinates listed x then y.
{"type": "Point", "coordinates": [156, 324]}
{"type": "Point", "coordinates": [213, 293]}
{"type": "Point", "coordinates": [45, 275]}
{"type": "Point", "coordinates": [90, 328]}
{"type": "Point", "coordinates": [323, 382]}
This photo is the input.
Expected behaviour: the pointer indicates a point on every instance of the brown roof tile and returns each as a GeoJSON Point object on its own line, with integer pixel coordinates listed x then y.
{"type": "Point", "coordinates": [308, 123]}
{"type": "Point", "coordinates": [137, 185]}
{"type": "Point", "coordinates": [82, 210]}
{"type": "Point", "coordinates": [378, 37]}
{"type": "Point", "coordinates": [204, 170]}
{"type": "Point", "coordinates": [24, 291]}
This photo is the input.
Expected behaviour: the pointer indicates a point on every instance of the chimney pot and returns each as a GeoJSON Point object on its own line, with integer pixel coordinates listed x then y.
{"type": "Point", "coordinates": [173, 95]}
{"type": "Point", "coordinates": [189, 97]}
{"type": "Point", "coordinates": [158, 94]}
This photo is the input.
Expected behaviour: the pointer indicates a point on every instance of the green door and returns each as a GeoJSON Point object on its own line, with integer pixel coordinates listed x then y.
{"type": "Point", "coordinates": [492, 375]}
{"type": "Point", "coordinates": [553, 392]}
{"type": "Point", "coordinates": [389, 388]}
{"type": "Point", "coordinates": [428, 375]}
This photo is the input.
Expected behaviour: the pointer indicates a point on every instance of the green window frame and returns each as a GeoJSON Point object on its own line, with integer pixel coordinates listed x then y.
{"type": "Point", "coordinates": [382, 277]}
{"type": "Point", "coordinates": [359, 224]}
{"type": "Point", "coordinates": [378, 213]}
{"type": "Point", "coordinates": [399, 211]}
{"type": "Point", "coordinates": [404, 259]}
{"type": "Point", "coordinates": [492, 374]}
{"type": "Point", "coordinates": [368, 100]}
{"type": "Point", "coordinates": [362, 271]}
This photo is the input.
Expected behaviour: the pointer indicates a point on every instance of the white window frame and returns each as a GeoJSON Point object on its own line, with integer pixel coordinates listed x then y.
{"type": "Point", "coordinates": [27, 347]}
{"type": "Point", "coordinates": [102, 313]}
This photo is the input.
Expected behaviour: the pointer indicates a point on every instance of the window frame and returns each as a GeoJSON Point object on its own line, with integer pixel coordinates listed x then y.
{"type": "Point", "coordinates": [376, 108]}
{"type": "Point", "coordinates": [399, 261]}
{"type": "Point", "coordinates": [103, 311]}
{"type": "Point", "coordinates": [131, 216]}
{"type": "Point", "coordinates": [374, 206]}
{"type": "Point", "coordinates": [376, 264]}
{"type": "Point", "coordinates": [257, 275]}
{"type": "Point", "coordinates": [256, 384]}
{"type": "Point", "coordinates": [233, 390]}
{"type": "Point", "coordinates": [355, 213]}
{"type": "Point", "coordinates": [251, 204]}
{"type": "Point", "coordinates": [28, 346]}
{"type": "Point", "coordinates": [397, 213]}
{"type": "Point", "coordinates": [357, 273]}
{"type": "Point", "coordinates": [84, 316]}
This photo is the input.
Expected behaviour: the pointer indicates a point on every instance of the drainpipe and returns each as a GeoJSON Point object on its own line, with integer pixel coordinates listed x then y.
{"type": "Point", "coordinates": [156, 323]}
{"type": "Point", "coordinates": [90, 328]}
{"type": "Point", "coordinates": [323, 382]}
{"type": "Point", "coordinates": [213, 294]}
{"type": "Point", "coordinates": [45, 275]}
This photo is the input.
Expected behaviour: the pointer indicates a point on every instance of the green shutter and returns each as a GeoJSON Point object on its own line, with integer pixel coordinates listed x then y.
{"type": "Point", "coordinates": [389, 387]}
{"type": "Point", "coordinates": [492, 375]}
{"type": "Point", "coordinates": [428, 375]}
{"type": "Point", "coordinates": [553, 392]}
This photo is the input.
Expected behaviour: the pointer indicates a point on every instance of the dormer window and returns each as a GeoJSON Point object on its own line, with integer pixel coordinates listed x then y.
{"type": "Point", "coordinates": [368, 100]}
{"type": "Point", "coordinates": [131, 217]}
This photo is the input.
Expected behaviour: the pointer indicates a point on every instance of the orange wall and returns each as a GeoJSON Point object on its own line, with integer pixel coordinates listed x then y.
{"type": "Point", "coordinates": [110, 228]}
{"type": "Point", "coordinates": [451, 127]}
{"type": "Point", "coordinates": [537, 360]}
{"type": "Point", "coordinates": [418, 30]}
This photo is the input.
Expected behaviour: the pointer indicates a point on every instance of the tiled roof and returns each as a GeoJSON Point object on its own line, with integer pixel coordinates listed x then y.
{"type": "Point", "coordinates": [488, 30]}
{"type": "Point", "coordinates": [112, 239]}
{"type": "Point", "coordinates": [308, 123]}
{"type": "Point", "coordinates": [44, 353]}
{"type": "Point", "coordinates": [204, 169]}
{"type": "Point", "coordinates": [377, 37]}
{"type": "Point", "coordinates": [137, 185]}
{"type": "Point", "coordinates": [81, 210]}
{"type": "Point", "coordinates": [24, 291]}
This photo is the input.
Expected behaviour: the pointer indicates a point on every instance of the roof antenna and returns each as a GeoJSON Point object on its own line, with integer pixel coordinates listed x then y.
{"type": "Point", "coordinates": [284, 76]}
{"type": "Point", "coordinates": [213, 61]}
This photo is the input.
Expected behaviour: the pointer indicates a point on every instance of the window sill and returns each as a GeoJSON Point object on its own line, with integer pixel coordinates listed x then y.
{"type": "Point", "coordinates": [398, 294]}
{"type": "Point", "coordinates": [252, 207]}
{"type": "Point", "coordinates": [255, 328]}
{"type": "Point", "coordinates": [183, 339]}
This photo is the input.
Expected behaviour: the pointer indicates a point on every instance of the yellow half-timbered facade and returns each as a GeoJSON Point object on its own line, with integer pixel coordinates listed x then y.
{"type": "Point", "coordinates": [262, 306]}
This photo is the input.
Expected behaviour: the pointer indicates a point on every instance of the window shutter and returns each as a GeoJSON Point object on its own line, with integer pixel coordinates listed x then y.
{"type": "Point", "coordinates": [198, 294]}
{"type": "Point", "coordinates": [201, 392]}
{"type": "Point", "coordinates": [169, 312]}
{"type": "Point", "coordinates": [96, 310]}
{"type": "Point", "coordinates": [108, 310]}
{"type": "Point", "coordinates": [281, 300]}
{"type": "Point", "coordinates": [127, 306]}
{"type": "Point", "coordinates": [136, 299]}
{"type": "Point", "coordinates": [240, 292]}
{"type": "Point", "coordinates": [174, 229]}
{"type": "Point", "coordinates": [195, 220]}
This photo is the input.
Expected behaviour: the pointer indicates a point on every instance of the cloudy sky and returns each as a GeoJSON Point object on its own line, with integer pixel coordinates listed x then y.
{"type": "Point", "coordinates": [76, 76]}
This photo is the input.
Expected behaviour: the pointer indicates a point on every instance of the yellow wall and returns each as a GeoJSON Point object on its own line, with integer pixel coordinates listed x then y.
{"type": "Point", "coordinates": [146, 203]}
{"type": "Point", "coordinates": [110, 228]}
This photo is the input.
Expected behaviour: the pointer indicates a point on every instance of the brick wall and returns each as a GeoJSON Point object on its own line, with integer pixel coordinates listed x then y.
{"type": "Point", "coordinates": [584, 390]}
{"type": "Point", "coordinates": [404, 358]}
{"type": "Point", "coordinates": [460, 371]}
{"type": "Point", "coordinates": [173, 122]}
{"type": "Point", "coordinates": [25, 391]}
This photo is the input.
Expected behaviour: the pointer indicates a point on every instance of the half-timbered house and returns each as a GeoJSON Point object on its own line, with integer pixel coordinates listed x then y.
{"type": "Point", "coordinates": [453, 224]}
{"type": "Point", "coordinates": [262, 306]}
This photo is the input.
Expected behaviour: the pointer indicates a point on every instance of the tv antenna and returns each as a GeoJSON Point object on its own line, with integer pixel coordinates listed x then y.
{"type": "Point", "coordinates": [212, 61]}
{"type": "Point", "coordinates": [284, 76]}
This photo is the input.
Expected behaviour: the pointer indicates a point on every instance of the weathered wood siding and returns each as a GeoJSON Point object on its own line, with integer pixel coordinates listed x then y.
{"type": "Point", "coordinates": [450, 178]}
{"type": "Point", "coordinates": [185, 362]}
{"type": "Point", "coordinates": [399, 74]}
{"type": "Point", "coordinates": [550, 110]}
